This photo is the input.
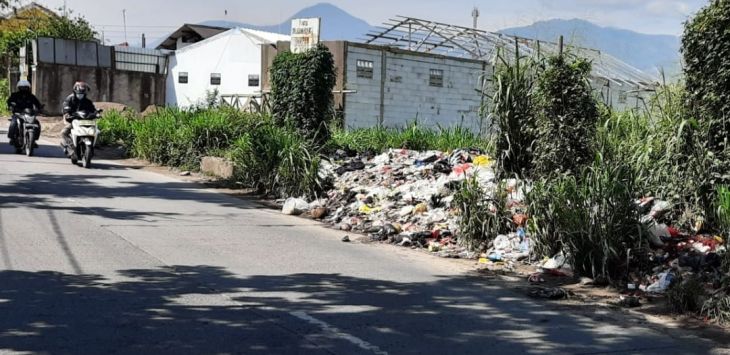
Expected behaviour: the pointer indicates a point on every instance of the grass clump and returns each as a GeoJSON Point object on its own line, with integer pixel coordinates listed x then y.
{"type": "Point", "coordinates": [277, 161]}
{"type": "Point", "coordinates": [686, 295]}
{"type": "Point", "coordinates": [590, 217]}
{"type": "Point", "coordinates": [482, 219]}
{"type": "Point", "coordinates": [415, 137]}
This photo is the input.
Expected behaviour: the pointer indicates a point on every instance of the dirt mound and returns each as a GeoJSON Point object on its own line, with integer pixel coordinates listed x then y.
{"type": "Point", "coordinates": [150, 110]}
{"type": "Point", "coordinates": [111, 106]}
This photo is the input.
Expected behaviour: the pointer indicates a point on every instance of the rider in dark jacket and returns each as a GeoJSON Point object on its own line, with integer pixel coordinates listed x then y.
{"type": "Point", "coordinates": [78, 101]}
{"type": "Point", "coordinates": [17, 103]}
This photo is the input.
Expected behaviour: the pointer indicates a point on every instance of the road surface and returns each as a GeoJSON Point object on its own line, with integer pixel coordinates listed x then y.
{"type": "Point", "coordinates": [120, 260]}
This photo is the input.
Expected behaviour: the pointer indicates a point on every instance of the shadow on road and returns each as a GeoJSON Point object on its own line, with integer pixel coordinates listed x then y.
{"type": "Point", "coordinates": [43, 151]}
{"type": "Point", "coordinates": [61, 313]}
{"type": "Point", "coordinates": [42, 191]}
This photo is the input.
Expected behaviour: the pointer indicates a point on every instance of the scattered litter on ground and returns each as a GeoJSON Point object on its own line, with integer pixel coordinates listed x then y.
{"type": "Point", "coordinates": [550, 293]}
{"type": "Point", "coordinates": [295, 206]}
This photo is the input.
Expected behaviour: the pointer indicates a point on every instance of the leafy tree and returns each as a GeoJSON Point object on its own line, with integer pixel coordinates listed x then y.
{"type": "Point", "coordinates": [301, 91]}
{"type": "Point", "coordinates": [567, 115]}
{"type": "Point", "coordinates": [706, 50]}
{"type": "Point", "coordinates": [65, 27]}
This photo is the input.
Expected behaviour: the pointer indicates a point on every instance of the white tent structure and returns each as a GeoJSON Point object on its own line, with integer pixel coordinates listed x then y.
{"type": "Point", "coordinates": [229, 62]}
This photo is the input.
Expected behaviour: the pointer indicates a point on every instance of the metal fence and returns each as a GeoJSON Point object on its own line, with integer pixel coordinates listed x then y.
{"type": "Point", "coordinates": [141, 60]}
{"type": "Point", "coordinates": [92, 54]}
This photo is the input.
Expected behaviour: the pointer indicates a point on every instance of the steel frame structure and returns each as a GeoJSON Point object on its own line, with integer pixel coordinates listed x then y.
{"type": "Point", "coordinates": [426, 36]}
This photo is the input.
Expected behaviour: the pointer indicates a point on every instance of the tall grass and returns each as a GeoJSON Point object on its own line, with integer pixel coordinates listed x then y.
{"type": "Point", "coordinates": [181, 138]}
{"type": "Point", "coordinates": [513, 113]}
{"type": "Point", "coordinates": [415, 137]}
{"type": "Point", "coordinates": [591, 217]}
{"type": "Point", "coordinates": [666, 153]}
{"type": "Point", "coordinates": [277, 161]}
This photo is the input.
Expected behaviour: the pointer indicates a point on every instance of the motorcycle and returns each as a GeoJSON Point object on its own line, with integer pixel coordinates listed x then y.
{"type": "Point", "coordinates": [84, 133]}
{"type": "Point", "coordinates": [26, 131]}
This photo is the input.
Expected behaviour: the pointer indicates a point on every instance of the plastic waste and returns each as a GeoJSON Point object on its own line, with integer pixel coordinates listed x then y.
{"type": "Point", "coordinates": [658, 232]}
{"type": "Point", "coordinates": [661, 285]}
{"type": "Point", "coordinates": [295, 206]}
{"type": "Point", "coordinates": [482, 160]}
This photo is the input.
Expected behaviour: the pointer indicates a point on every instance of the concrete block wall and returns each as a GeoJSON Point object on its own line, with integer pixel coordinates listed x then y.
{"type": "Point", "coordinates": [406, 93]}
{"type": "Point", "coordinates": [136, 90]}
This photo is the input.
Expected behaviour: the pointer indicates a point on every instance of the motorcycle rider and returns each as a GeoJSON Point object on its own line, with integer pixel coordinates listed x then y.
{"type": "Point", "coordinates": [77, 101]}
{"type": "Point", "coordinates": [18, 102]}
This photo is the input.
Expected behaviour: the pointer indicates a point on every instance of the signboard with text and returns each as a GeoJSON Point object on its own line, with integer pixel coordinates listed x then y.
{"type": "Point", "coordinates": [304, 34]}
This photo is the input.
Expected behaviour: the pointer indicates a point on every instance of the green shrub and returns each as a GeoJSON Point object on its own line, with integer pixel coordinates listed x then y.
{"type": "Point", "coordinates": [181, 138]}
{"type": "Point", "coordinates": [4, 95]}
{"type": "Point", "coordinates": [717, 308]}
{"type": "Point", "coordinates": [591, 217]}
{"type": "Point", "coordinates": [277, 161]}
{"type": "Point", "coordinates": [118, 128]}
{"type": "Point", "coordinates": [482, 219]}
{"type": "Point", "coordinates": [301, 91]}
{"type": "Point", "coordinates": [567, 116]}
{"type": "Point", "coordinates": [686, 295]}
{"type": "Point", "coordinates": [705, 46]}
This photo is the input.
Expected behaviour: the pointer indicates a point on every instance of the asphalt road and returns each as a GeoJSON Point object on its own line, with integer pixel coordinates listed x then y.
{"type": "Point", "coordinates": [120, 260]}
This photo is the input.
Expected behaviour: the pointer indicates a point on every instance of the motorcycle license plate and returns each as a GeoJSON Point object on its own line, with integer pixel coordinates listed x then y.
{"type": "Point", "coordinates": [87, 122]}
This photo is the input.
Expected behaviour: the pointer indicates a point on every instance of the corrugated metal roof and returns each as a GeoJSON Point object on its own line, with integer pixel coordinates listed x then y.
{"type": "Point", "coordinates": [202, 31]}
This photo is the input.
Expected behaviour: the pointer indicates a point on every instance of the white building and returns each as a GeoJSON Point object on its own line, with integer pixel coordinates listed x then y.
{"type": "Point", "coordinates": [229, 62]}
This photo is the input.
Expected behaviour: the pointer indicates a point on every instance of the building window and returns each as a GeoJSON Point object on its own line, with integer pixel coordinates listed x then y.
{"type": "Point", "coordinates": [365, 69]}
{"type": "Point", "coordinates": [436, 78]}
{"type": "Point", "coordinates": [182, 77]}
{"type": "Point", "coordinates": [254, 80]}
{"type": "Point", "coordinates": [623, 97]}
{"type": "Point", "coordinates": [215, 79]}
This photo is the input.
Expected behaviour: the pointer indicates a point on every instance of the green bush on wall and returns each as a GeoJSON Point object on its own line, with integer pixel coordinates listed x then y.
{"type": "Point", "coordinates": [301, 91]}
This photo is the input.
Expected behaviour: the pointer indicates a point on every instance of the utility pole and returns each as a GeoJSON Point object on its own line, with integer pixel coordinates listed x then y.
{"type": "Point", "coordinates": [65, 13]}
{"type": "Point", "coordinates": [144, 41]}
{"type": "Point", "coordinates": [124, 18]}
{"type": "Point", "coordinates": [475, 15]}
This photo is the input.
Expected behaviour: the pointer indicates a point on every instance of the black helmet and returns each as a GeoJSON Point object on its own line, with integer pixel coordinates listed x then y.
{"type": "Point", "coordinates": [81, 87]}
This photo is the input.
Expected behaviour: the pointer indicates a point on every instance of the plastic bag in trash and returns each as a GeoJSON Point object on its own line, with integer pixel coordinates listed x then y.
{"type": "Point", "coordinates": [295, 206]}
{"type": "Point", "coordinates": [661, 285]}
{"type": "Point", "coordinates": [557, 262]}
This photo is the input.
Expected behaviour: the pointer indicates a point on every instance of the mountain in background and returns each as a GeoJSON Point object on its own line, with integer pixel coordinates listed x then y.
{"type": "Point", "coordinates": [643, 51]}
{"type": "Point", "coordinates": [336, 23]}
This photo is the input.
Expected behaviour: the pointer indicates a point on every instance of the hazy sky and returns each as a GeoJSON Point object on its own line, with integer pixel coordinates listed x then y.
{"type": "Point", "coordinates": [159, 17]}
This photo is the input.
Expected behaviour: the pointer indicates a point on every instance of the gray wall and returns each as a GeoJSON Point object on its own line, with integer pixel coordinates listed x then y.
{"type": "Point", "coordinates": [399, 92]}
{"type": "Point", "coordinates": [137, 90]}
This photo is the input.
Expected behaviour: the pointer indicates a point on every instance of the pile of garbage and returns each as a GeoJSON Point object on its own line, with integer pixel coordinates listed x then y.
{"type": "Point", "coordinates": [676, 254]}
{"type": "Point", "coordinates": [404, 197]}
